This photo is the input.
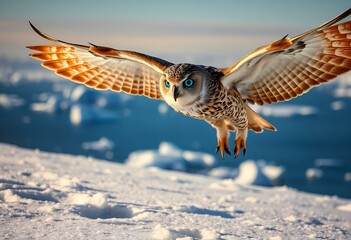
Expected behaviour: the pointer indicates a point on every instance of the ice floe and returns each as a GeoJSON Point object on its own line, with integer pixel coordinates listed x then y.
{"type": "Point", "coordinates": [169, 156]}
{"type": "Point", "coordinates": [347, 177]}
{"type": "Point", "coordinates": [11, 100]}
{"type": "Point", "coordinates": [314, 173]}
{"type": "Point", "coordinates": [103, 144]}
{"type": "Point", "coordinates": [285, 110]}
{"type": "Point", "coordinates": [85, 105]}
{"type": "Point", "coordinates": [337, 105]}
{"type": "Point", "coordinates": [163, 108]}
{"type": "Point", "coordinates": [258, 173]}
{"type": "Point", "coordinates": [343, 87]}
{"type": "Point", "coordinates": [82, 114]}
{"type": "Point", "coordinates": [328, 162]}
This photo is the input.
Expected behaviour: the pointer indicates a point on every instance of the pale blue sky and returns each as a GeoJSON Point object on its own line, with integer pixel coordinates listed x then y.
{"type": "Point", "coordinates": [185, 30]}
{"type": "Point", "coordinates": [185, 10]}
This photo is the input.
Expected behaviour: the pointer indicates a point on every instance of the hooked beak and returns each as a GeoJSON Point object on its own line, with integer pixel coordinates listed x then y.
{"type": "Point", "coordinates": [175, 93]}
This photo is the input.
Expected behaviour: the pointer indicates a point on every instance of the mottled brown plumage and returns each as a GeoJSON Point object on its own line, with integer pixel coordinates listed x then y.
{"type": "Point", "coordinates": [282, 70]}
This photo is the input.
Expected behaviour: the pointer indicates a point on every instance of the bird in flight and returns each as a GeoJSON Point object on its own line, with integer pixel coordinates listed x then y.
{"type": "Point", "coordinates": [277, 72]}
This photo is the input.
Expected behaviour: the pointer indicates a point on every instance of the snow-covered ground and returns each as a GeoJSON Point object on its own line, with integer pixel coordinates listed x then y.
{"type": "Point", "coordinates": [56, 196]}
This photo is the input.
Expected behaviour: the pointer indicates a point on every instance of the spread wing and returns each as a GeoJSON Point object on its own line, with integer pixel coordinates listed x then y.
{"type": "Point", "coordinates": [102, 67]}
{"type": "Point", "coordinates": [288, 67]}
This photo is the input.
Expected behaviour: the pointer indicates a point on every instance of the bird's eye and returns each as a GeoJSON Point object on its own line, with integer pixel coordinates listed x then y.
{"type": "Point", "coordinates": [167, 84]}
{"type": "Point", "coordinates": [188, 83]}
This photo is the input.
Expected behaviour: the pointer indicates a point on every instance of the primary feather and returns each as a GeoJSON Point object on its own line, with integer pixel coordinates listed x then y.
{"type": "Point", "coordinates": [288, 67]}
{"type": "Point", "coordinates": [102, 67]}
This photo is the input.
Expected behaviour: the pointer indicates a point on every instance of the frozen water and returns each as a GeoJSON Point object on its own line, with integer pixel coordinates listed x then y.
{"type": "Point", "coordinates": [285, 110]}
{"type": "Point", "coordinates": [10, 100]}
{"type": "Point", "coordinates": [82, 114]}
{"type": "Point", "coordinates": [337, 105]}
{"type": "Point", "coordinates": [314, 173]}
{"type": "Point", "coordinates": [258, 173]}
{"type": "Point", "coordinates": [103, 144]}
{"type": "Point", "coordinates": [169, 156]}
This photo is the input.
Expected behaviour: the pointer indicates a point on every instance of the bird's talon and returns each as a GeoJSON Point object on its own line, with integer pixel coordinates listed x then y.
{"type": "Point", "coordinates": [223, 147]}
{"type": "Point", "coordinates": [239, 144]}
{"type": "Point", "coordinates": [227, 150]}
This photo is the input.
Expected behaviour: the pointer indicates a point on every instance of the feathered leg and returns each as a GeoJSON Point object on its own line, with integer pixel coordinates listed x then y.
{"type": "Point", "coordinates": [240, 141]}
{"type": "Point", "coordinates": [222, 137]}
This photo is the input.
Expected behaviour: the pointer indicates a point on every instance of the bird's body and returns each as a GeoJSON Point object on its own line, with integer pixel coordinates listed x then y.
{"type": "Point", "coordinates": [285, 69]}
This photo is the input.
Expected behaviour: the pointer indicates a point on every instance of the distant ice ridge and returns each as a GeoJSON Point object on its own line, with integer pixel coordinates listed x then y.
{"type": "Point", "coordinates": [170, 157]}
{"type": "Point", "coordinates": [259, 173]}
{"type": "Point", "coordinates": [24, 73]}
{"type": "Point", "coordinates": [328, 162]}
{"type": "Point", "coordinates": [82, 113]}
{"type": "Point", "coordinates": [51, 105]}
{"type": "Point", "coordinates": [10, 100]}
{"type": "Point", "coordinates": [85, 105]}
{"type": "Point", "coordinates": [284, 110]}
{"type": "Point", "coordinates": [102, 144]}
{"type": "Point", "coordinates": [318, 170]}
{"type": "Point", "coordinates": [314, 173]}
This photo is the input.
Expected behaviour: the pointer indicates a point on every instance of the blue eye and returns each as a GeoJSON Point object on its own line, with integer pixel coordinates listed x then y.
{"type": "Point", "coordinates": [167, 84]}
{"type": "Point", "coordinates": [188, 83]}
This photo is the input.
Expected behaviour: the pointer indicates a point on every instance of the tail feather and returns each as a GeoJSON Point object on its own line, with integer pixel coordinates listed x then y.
{"type": "Point", "coordinates": [256, 122]}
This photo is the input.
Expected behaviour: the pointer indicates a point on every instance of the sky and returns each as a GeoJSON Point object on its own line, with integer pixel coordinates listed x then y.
{"type": "Point", "coordinates": [212, 32]}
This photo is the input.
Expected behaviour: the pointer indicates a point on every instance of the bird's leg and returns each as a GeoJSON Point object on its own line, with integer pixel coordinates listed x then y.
{"type": "Point", "coordinates": [222, 137]}
{"type": "Point", "coordinates": [240, 141]}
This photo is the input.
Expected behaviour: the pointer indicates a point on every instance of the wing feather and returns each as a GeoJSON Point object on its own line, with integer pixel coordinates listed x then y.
{"type": "Point", "coordinates": [289, 68]}
{"type": "Point", "coordinates": [102, 68]}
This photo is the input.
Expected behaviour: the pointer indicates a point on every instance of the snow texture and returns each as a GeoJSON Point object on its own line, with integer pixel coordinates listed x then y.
{"type": "Point", "coordinates": [56, 196]}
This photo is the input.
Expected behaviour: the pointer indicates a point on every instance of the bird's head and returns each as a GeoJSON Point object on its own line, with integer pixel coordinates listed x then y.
{"type": "Point", "coordinates": [183, 84]}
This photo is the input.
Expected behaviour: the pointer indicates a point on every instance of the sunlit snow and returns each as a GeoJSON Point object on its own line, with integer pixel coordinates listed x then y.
{"type": "Point", "coordinates": [56, 196]}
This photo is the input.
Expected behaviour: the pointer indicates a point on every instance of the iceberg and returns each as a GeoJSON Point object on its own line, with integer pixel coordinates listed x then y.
{"type": "Point", "coordinates": [11, 100]}
{"type": "Point", "coordinates": [169, 156]}
{"type": "Point", "coordinates": [284, 110]}
{"type": "Point", "coordinates": [258, 173]}
{"type": "Point", "coordinates": [83, 114]}
{"type": "Point", "coordinates": [103, 144]}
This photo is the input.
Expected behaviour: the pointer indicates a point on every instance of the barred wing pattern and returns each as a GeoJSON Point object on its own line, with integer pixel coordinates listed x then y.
{"type": "Point", "coordinates": [103, 68]}
{"type": "Point", "coordinates": [289, 68]}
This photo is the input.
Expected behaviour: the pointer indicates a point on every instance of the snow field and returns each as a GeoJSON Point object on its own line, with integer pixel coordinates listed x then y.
{"type": "Point", "coordinates": [55, 196]}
